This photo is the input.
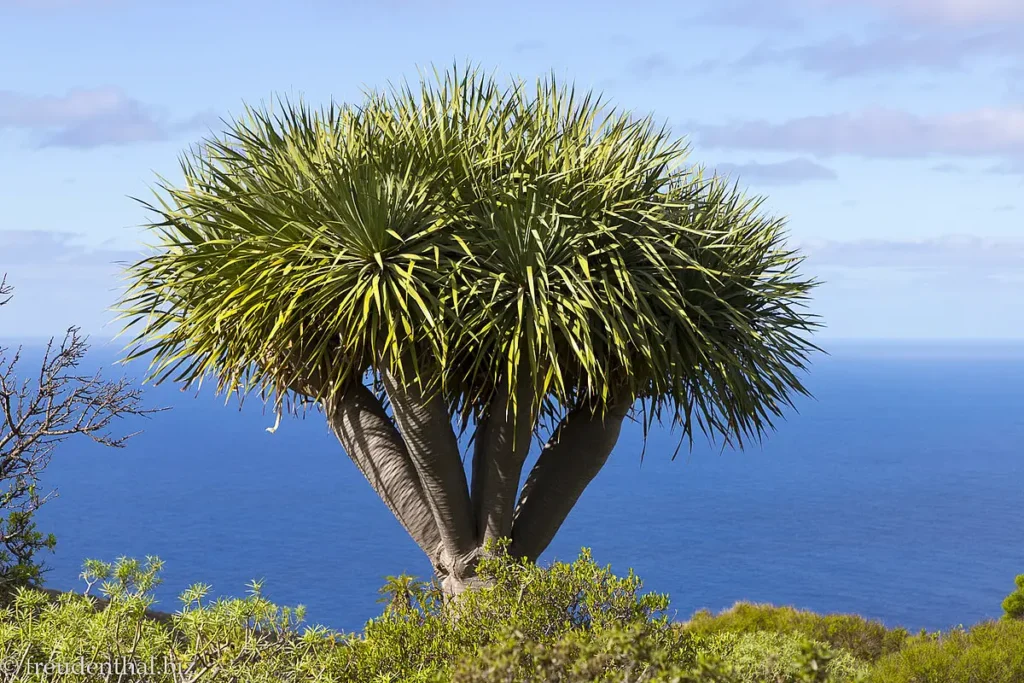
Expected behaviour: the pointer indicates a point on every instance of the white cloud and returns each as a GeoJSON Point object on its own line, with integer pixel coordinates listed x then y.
{"type": "Point", "coordinates": [789, 172]}
{"type": "Point", "coordinates": [985, 256]}
{"type": "Point", "coordinates": [89, 118]}
{"type": "Point", "coordinates": [955, 12]}
{"type": "Point", "coordinates": [878, 133]}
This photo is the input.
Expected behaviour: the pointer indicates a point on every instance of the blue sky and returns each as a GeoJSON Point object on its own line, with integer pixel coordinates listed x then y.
{"type": "Point", "coordinates": [890, 132]}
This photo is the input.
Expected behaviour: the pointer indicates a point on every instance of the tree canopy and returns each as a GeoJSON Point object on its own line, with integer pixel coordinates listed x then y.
{"type": "Point", "coordinates": [463, 233]}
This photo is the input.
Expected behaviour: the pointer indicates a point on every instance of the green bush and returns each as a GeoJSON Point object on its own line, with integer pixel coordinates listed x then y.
{"type": "Point", "coordinates": [990, 652]}
{"type": "Point", "coordinates": [573, 623]}
{"type": "Point", "coordinates": [632, 653]}
{"type": "Point", "coordinates": [420, 633]}
{"type": "Point", "coordinates": [779, 657]}
{"type": "Point", "coordinates": [1013, 605]}
{"type": "Point", "coordinates": [864, 639]}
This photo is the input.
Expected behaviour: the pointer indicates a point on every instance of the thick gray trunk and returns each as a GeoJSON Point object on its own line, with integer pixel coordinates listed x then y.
{"type": "Point", "coordinates": [502, 444]}
{"type": "Point", "coordinates": [434, 450]}
{"type": "Point", "coordinates": [571, 459]}
{"type": "Point", "coordinates": [366, 432]}
{"type": "Point", "coordinates": [370, 439]}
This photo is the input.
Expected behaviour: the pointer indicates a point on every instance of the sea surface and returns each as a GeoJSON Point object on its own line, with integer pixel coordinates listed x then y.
{"type": "Point", "coordinates": [897, 492]}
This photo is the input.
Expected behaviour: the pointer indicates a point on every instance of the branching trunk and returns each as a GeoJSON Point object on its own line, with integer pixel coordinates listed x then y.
{"type": "Point", "coordinates": [434, 450]}
{"type": "Point", "coordinates": [414, 464]}
{"type": "Point", "coordinates": [571, 459]}
{"type": "Point", "coordinates": [370, 439]}
{"type": "Point", "coordinates": [368, 434]}
{"type": "Point", "coordinates": [502, 444]}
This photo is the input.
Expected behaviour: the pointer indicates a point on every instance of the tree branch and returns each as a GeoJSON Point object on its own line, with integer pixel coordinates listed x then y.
{"type": "Point", "coordinates": [427, 430]}
{"type": "Point", "coordinates": [36, 416]}
{"type": "Point", "coordinates": [370, 439]}
{"type": "Point", "coordinates": [502, 444]}
{"type": "Point", "coordinates": [570, 460]}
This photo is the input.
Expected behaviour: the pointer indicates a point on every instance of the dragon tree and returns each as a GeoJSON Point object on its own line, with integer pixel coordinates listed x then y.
{"type": "Point", "coordinates": [513, 263]}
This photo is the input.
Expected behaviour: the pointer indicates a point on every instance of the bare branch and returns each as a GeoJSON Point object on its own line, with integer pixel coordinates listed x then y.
{"type": "Point", "coordinates": [36, 416]}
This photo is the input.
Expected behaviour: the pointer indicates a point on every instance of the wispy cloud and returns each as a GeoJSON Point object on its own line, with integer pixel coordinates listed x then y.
{"type": "Point", "coordinates": [843, 57]}
{"type": "Point", "coordinates": [60, 280]}
{"type": "Point", "coordinates": [87, 118]}
{"type": "Point", "coordinates": [793, 15]}
{"type": "Point", "coordinates": [952, 12]}
{"type": "Point", "coordinates": [789, 172]}
{"type": "Point", "coordinates": [1013, 167]}
{"type": "Point", "coordinates": [883, 133]}
{"type": "Point", "coordinates": [650, 66]}
{"type": "Point", "coordinates": [56, 249]}
{"type": "Point", "coordinates": [943, 253]}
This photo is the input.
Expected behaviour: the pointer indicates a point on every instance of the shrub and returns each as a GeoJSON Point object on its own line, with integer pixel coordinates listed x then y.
{"type": "Point", "coordinates": [614, 654]}
{"type": "Point", "coordinates": [420, 632]}
{"type": "Point", "coordinates": [990, 652]}
{"type": "Point", "coordinates": [864, 639]}
{"type": "Point", "coordinates": [571, 622]}
{"type": "Point", "coordinates": [71, 640]}
{"type": "Point", "coordinates": [1013, 605]}
{"type": "Point", "coordinates": [780, 657]}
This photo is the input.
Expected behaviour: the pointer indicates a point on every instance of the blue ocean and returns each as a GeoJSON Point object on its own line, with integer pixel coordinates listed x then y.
{"type": "Point", "coordinates": [896, 492]}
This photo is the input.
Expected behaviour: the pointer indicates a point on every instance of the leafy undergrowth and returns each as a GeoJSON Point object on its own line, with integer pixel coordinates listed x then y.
{"type": "Point", "coordinates": [569, 623]}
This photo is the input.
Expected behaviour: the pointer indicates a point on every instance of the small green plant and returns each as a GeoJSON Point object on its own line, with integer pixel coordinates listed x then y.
{"type": "Point", "coordinates": [1013, 605]}
{"type": "Point", "coordinates": [989, 652]}
{"type": "Point", "coordinates": [865, 639]}
{"type": "Point", "coordinates": [782, 657]}
{"type": "Point", "coordinates": [571, 622]}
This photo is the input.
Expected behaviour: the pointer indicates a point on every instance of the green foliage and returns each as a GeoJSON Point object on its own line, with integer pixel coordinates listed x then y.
{"type": "Point", "coordinates": [420, 632]}
{"type": "Point", "coordinates": [864, 639]}
{"type": "Point", "coordinates": [781, 656]}
{"type": "Point", "coordinates": [616, 654]}
{"type": "Point", "coordinates": [571, 623]}
{"type": "Point", "coordinates": [456, 230]}
{"type": "Point", "coordinates": [76, 639]}
{"type": "Point", "coordinates": [21, 540]}
{"type": "Point", "coordinates": [1013, 605]}
{"type": "Point", "coordinates": [990, 652]}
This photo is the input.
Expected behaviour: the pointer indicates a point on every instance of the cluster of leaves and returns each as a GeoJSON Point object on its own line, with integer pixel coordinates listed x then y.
{"type": "Point", "coordinates": [992, 651]}
{"type": "Point", "coordinates": [453, 231]}
{"type": "Point", "coordinates": [569, 623]}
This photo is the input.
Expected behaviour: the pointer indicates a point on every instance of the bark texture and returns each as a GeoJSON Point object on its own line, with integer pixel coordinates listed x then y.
{"type": "Point", "coordinates": [413, 463]}
{"type": "Point", "coordinates": [370, 439]}
{"type": "Point", "coordinates": [571, 459]}
{"type": "Point", "coordinates": [502, 444]}
{"type": "Point", "coordinates": [434, 450]}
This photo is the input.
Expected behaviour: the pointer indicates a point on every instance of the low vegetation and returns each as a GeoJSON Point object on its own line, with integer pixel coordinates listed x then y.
{"type": "Point", "coordinates": [570, 622]}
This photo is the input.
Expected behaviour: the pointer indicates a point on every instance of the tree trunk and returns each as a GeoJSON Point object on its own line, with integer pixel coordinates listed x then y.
{"type": "Point", "coordinates": [370, 439]}
{"type": "Point", "coordinates": [434, 450]}
{"type": "Point", "coordinates": [502, 444]}
{"type": "Point", "coordinates": [571, 459]}
{"type": "Point", "coordinates": [414, 465]}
